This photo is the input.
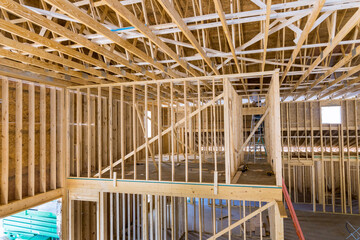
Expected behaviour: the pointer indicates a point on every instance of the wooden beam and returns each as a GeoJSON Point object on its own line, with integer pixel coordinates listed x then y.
{"type": "Point", "coordinates": [308, 27]}
{"type": "Point", "coordinates": [253, 111]}
{"type": "Point", "coordinates": [243, 220]}
{"type": "Point", "coordinates": [266, 36]}
{"type": "Point", "coordinates": [76, 13]}
{"type": "Point", "coordinates": [53, 58]}
{"type": "Point", "coordinates": [53, 139]}
{"type": "Point", "coordinates": [220, 12]}
{"type": "Point", "coordinates": [353, 21]}
{"type": "Point", "coordinates": [178, 80]}
{"type": "Point", "coordinates": [341, 88]}
{"type": "Point", "coordinates": [344, 76]}
{"type": "Point", "coordinates": [29, 202]}
{"type": "Point", "coordinates": [178, 123]}
{"type": "Point", "coordinates": [110, 130]}
{"type": "Point", "coordinates": [31, 76]}
{"type": "Point", "coordinates": [122, 131]}
{"type": "Point", "coordinates": [159, 127]}
{"type": "Point", "coordinates": [89, 123]}
{"type": "Point", "coordinates": [179, 189]}
{"type": "Point", "coordinates": [42, 139]}
{"type": "Point", "coordinates": [169, 8]}
{"type": "Point", "coordinates": [99, 130]}
{"type": "Point", "coordinates": [58, 76]}
{"type": "Point", "coordinates": [26, 13]}
{"type": "Point", "coordinates": [141, 27]}
{"type": "Point", "coordinates": [5, 141]}
{"type": "Point", "coordinates": [145, 133]}
{"type": "Point", "coordinates": [227, 130]}
{"type": "Point", "coordinates": [63, 140]}
{"type": "Point", "coordinates": [255, 128]}
{"type": "Point", "coordinates": [273, 101]}
{"type": "Point", "coordinates": [32, 36]}
{"type": "Point", "coordinates": [19, 141]}
{"type": "Point", "coordinates": [31, 141]}
{"type": "Point", "coordinates": [236, 17]}
{"type": "Point", "coordinates": [79, 134]}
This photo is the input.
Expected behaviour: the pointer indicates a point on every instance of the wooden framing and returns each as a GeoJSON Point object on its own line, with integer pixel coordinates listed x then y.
{"type": "Point", "coordinates": [216, 112]}
{"type": "Point", "coordinates": [151, 226]}
{"type": "Point", "coordinates": [5, 142]}
{"type": "Point", "coordinates": [120, 109]}
{"type": "Point", "coordinates": [143, 94]}
{"type": "Point", "coordinates": [28, 202]}
{"type": "Point", "coordinates": [31, 161]}
{"type": "Point", "coordinates": [220, 12]}
{"type": "Point", "coordinates": [273, 101]}
{"type": "Point", "coordinates": [182, 25]}
{"type": "Point", "coordinates": [353, 21]}
{"type": "Point", "coordinates": [333, 149]}
{"type": "Point", "coordinates": [30, 167]}
{"type": "Point", "coordinates": [73, 11]}
{"type": "Point", "coordinates": [309, 24]}
{"type": "Point", "coordinates": [105, 53]}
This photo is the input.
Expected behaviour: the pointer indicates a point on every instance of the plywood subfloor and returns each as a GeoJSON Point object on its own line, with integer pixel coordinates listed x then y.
{"type": "Point", "coordinates": [256, 174]}
{"type": "Point", "coordinates": [208, 168]}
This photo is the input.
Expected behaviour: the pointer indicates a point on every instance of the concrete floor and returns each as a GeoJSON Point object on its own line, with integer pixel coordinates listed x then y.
{"type": "Point", "coordinates": [316, 226]}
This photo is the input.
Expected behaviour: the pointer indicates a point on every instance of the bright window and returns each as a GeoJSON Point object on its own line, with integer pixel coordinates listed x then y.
{"type": "Point", "coordinates": [331, 115]}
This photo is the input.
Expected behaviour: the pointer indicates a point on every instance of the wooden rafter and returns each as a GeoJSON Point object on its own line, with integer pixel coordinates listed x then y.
{"type": "Point", "coordinates": [19, 31]}
{"type": "Point", "coordinates": [353, 21]}
{"type": "Point", "coordinates": [266, 38]}
{"type": "Point", "coordinates": [85, 19]}
{"type": "Point", "coordinates": [24, 12]}
{"type": "Point", "coordinates": [168, 7]}
{"type": "Point", "coordinates": [308, 27]}
{"type": "Point", "coordinates": [86, 33]}
{"type": "Point", "coordinates": [221, 14]}
{"type": "Point", "coordinates": [128, 16]}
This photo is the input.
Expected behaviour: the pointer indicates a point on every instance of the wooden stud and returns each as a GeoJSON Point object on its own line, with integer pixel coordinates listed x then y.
{"type": "Point", "coordinates": [42, 138]}
{"type": "Point", "coordinates": [227, 132]}
{"type": "Point", "coordinates": [134, 129]}
{"type": "Point", "coordinates": [146, 134]}
{"type": "Point", "coordinates": [172, 119]}
{"type": "Point", "coordinates": [63, 140]}
{"type": "Point", "coordinates": [31, 152]}
{"type": "Point", "coordinates": [99, 129]}
{"type": "Point", "coordinates": [159, 125]}
{"type": "Point", "coordinates": [110, 134]}
{"type": "Point", "coordinates": [19, 141]}
{"type": "Point", "coordinates": [199, 130]}
{"type": "Point", "coordinates": [186, 138]}
{"type": "Point", "coordinates": [122, 131]}
{"type": "Point", "coordinates": [53, 138]}
{"type": "Point", "coordinates": [5, 141]}
{"type": "Point", "coordinates": [89, 132]}
{"type": "Point", "coordinates": [78, 132]}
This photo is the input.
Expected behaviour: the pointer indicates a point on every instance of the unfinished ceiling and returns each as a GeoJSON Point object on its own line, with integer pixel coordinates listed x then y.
{"type": "Point", "coordinates": [60, 42]}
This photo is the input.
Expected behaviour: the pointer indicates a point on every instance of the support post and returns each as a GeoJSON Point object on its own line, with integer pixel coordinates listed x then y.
{"type": "Point", "coordinates": [273, 101]}
{"type": "Point", "coordinates": [227, 132]}
{"type": "Point", "coordinates": [276, 223]}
